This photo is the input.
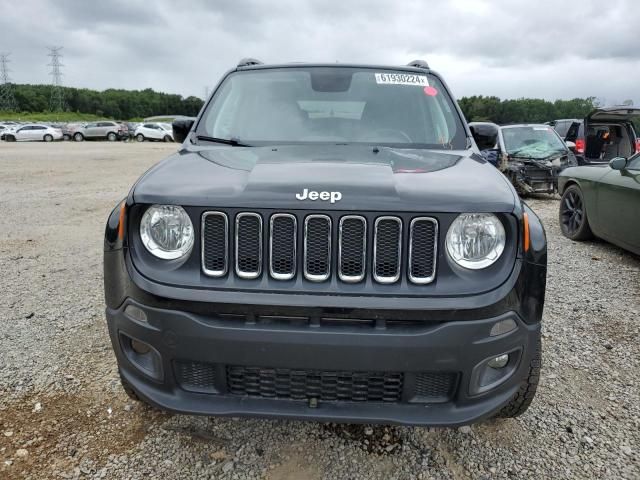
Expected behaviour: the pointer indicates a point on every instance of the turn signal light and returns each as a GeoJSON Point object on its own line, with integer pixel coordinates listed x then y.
{"type": "Point", "coordinates": [123, 211]}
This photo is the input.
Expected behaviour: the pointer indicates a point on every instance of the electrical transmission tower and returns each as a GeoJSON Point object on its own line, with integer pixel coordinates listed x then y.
{"type": "Point", "coordinates": [7, 100]}
{"type": "Point", "coordinates": [56, 103]}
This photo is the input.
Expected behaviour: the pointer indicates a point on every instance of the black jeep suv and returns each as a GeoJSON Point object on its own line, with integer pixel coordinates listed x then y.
{"type": "Point", "coordinates": [327, 244]}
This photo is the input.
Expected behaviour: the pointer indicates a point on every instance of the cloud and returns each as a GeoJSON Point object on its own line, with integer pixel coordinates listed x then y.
{"type": "Point", "coordinates": [509, 48]}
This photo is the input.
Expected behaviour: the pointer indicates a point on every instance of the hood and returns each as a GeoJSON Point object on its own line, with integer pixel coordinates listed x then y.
{"type": "Point", "coordinates": [269, 177]}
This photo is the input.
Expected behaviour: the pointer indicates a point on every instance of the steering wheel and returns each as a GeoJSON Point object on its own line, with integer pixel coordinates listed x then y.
{"type": "Point", "coordinates": [383, 133]}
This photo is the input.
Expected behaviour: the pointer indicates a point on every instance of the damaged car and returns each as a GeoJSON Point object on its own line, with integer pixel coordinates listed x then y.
{"type": "Point", "coordinates": [530, 155]}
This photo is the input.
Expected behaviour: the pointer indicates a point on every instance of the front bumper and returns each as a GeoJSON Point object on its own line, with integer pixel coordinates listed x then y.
{"type": "Point", "coordinates": [217, 348]}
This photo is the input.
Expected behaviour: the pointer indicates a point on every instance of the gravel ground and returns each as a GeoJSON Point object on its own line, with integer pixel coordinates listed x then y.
{"type": "Point", "coordinates": [64, 415]}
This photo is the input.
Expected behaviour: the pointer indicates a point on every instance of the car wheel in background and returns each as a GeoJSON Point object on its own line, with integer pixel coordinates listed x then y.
{"type": "Point", "coordinates": [140, 137]}
{"type": "Point", "coordinates": [167, 138]}
{"type": "Point", "coordinates": [112, 137]}
{"type": "Point", "coordinates": [574, 223]}
{"type": "Point", "coordinates": [47, 138]}
{"type": "Point", "coordinates": [78, 137]}
{"type": "Point", "coordinates": [9, 138]}
{"type": "Point", "coordinates": [66, 137]}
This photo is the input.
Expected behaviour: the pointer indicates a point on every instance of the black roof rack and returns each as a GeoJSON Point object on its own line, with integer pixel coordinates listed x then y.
{"type": "Point", "coordinates": [247, 62]}
{"type": "Point", "coordinates": [418, 64]}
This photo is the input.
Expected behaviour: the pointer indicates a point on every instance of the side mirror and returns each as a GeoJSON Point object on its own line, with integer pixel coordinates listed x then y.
{"type": "Point", "coordinates": [485, 134]}
{"type": "Point", "coordinates": [181, 128]}
{"type": "Point", "coordinates": [618, 163]}
{"type": "Point", "coordinates": [571, 146]}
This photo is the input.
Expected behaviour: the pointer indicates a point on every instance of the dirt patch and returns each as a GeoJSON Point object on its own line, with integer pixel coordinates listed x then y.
{"type": "Point", "coordinates": [45, 435]}
{"type": "Point", "coordinates": [377, 439]}
{"type": "Point", "coordinates": [295, 467]}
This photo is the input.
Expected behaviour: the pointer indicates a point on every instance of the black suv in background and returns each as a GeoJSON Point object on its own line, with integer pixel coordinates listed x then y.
{"type": "Point", "coordinates": [327, 244]}
{"type": "Point", "coordinates": [563, 125]}
{"type": "Point", "coordinates": [604, 134]}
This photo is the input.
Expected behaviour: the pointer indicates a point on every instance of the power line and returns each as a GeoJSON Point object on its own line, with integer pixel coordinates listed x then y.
{"type": "Point", "coordinates": [56, 102]}
{"type": "Point", "coordinates": [7, 100]}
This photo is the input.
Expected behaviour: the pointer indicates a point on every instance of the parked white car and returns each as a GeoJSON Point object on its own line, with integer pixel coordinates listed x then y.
{"type": "Point", "coordinates": [154, 131]}
{"type": "Point", "coordinates": [7, 127]}
{"type": "Point", "coordinates": [34, 133]}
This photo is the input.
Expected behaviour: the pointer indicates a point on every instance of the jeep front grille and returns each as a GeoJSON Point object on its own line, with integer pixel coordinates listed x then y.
{"type": "Point", "coordinates": [283, 236]}
{"type": "Point", "coordinates": [384, 253]}
{"type": "Point", "coordinates": [352, 246]}
{"type": "Point", "coordinates": [215, 243]}
{"type": "Point", "coordinates": [317, 248]}
{"type": "Point", "coordinates": [422, 249]}
{"type": "Point", "coordinates": [248, 245]}
{"type": "Point", "coordinates": [387, 249]}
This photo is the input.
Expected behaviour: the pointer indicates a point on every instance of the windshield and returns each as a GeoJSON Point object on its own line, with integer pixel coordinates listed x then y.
{"type": "Point", "coordinates": [532, 142]}
{"type": "Point", "coordinates": [334, 105]}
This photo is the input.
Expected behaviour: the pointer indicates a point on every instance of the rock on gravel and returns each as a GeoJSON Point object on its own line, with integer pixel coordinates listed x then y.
{"type": "Point", "coordinates": [54, 350]}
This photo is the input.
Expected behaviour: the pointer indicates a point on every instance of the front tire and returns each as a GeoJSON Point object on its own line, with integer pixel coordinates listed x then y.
{"type": "Point", "coordinates": [167, 138]}
{"type": "Point", "coordinates": [520, 402]}
{"type": "Point", "coordinates": [112, 137]}
{"type": "Point", "coordinates": [78, 137]}
{"type": "Point", "coordinates": [131, 393]}
{"type": "Point", "coordinates": [140, 137]}
{"type": "Point", "coordinates": [574, 222]}
{"type": "Point", "coordinates": [9, 138]}
{"type": "Point", "coordinates": [48, 138]}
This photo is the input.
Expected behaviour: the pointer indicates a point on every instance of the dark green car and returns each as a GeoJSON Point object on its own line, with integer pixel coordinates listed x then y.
{"type": "Point", "coordinates": [603, 201]}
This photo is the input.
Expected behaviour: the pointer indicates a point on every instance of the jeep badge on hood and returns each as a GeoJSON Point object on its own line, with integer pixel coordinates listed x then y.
{"type": "Point", "coordinates": [333, 197]}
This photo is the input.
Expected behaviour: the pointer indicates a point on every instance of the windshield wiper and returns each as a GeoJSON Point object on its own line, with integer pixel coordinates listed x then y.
{"type": "Point", "coordinates": [234, 142]}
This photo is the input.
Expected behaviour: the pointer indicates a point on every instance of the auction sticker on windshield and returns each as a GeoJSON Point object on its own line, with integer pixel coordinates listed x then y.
{"type": "Point", "coordinates": [402, 79]}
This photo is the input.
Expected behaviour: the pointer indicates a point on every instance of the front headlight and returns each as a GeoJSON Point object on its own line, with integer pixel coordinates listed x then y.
{"type": "Point", "coordinates": [166, 231]}
{"type": "Point", "coordinates": [475, 240]}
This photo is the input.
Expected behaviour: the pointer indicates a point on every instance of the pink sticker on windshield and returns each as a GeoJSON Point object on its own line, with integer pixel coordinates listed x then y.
{"type": "Point", "coordinates": [430, 91]}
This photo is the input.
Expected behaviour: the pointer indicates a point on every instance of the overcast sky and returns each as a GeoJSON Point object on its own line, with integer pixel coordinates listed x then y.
{"type": "Point", "coordinates": [509, 48]}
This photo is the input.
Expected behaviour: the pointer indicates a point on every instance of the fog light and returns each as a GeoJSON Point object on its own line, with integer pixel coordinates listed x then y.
{"type": "Point", "coordinates": [503, 326]}
{"type": "Point", "coordinates": [139, 347]}
{"type": "Point", "coordinates": [135, 313]}
{"type": "Point", "coordinates": [499, 362]}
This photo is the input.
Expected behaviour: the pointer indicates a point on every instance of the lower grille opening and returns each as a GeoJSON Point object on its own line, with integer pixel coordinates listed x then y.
{"type": "Point", "coordinates": [196, 377]}
{"type": "Point", "coordinates": [318, 384]}
{"type": "Point", "coordinates": [322, 385]}
{"type": "Point", "coordinates": [434, 387]}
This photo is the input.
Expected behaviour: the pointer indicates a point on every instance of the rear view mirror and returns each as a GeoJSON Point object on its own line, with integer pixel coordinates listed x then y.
{"type": "Point", "coordinates": [618, 163]}
{"type": "Point", "coordinates": [181, 128]}
{"type": "Point", "coordinates": [571, 146]}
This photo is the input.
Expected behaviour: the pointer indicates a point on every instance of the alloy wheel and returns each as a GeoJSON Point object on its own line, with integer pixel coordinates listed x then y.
{"type": "Point", "coordinates": [572, 212]}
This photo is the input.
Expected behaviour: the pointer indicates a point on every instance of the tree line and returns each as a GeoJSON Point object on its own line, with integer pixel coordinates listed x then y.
{"type": "Point", "coordinates": [112, 103]}
{"type": "Point", "coordinates": [523, 110]}
{"type": "Point", "coordinates": [129, 104]}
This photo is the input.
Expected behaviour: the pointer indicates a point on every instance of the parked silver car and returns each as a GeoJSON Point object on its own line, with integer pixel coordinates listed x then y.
{"type": "Point", "coordinates": [105, 130]}
{"type": "Point", "coordinates": [34, 133]}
